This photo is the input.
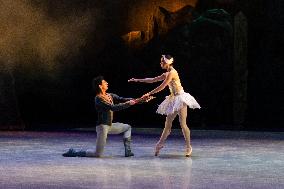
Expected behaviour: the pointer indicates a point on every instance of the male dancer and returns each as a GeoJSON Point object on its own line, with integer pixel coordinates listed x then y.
{"type": "Point", "coordinates": [106, 104]}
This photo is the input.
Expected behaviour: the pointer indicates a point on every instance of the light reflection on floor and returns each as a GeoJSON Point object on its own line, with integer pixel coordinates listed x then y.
{"type": "Point", "coordinates": [227, 160]}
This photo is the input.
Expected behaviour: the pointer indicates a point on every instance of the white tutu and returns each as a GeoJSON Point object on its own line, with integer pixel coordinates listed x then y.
{"type": "Point", "coordinates": [174, 103]}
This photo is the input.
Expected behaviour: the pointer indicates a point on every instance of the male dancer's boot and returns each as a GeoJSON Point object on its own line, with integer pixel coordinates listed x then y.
{"type": "Point", "coordinates": [73, 153]}
{"type": "Point", "coordinates": [126, 142]}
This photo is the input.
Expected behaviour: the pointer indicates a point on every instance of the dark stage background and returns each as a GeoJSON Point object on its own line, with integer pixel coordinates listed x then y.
{"type": "Point", "coordinates": [226, 51]}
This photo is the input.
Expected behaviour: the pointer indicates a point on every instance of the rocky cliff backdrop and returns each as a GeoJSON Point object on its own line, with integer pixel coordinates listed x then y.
{"type": "Point", "coordinates": [226, 51]}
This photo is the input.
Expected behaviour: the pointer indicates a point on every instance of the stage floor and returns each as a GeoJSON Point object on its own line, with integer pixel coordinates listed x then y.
{"type": "Point", "coordinates": [220, 159]}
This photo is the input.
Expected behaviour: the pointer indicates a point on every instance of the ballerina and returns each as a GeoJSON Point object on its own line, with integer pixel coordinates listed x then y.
{"type": "Point", "coordinates": [174, 104]}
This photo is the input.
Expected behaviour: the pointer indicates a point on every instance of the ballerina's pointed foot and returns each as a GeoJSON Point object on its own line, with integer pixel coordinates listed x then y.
{"type": "Point", "coordinates": [158, 148]}
{"type": "Point", "coordinates": [188, 151]}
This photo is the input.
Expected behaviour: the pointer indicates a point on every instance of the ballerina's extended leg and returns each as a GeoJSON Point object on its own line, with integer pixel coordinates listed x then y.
{"type": "Point", "coordinates": [166, 132]}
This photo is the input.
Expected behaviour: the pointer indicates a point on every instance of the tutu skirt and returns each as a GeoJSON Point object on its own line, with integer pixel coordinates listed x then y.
{"type": "Point", "coordinates": [174, 103]}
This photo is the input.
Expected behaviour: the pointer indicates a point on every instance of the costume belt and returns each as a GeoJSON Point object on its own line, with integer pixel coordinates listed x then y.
{"type": "Point", "coordinates": [176, 93]}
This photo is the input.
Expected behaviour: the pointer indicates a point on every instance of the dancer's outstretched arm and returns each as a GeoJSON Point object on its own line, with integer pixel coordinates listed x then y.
{"type": "Point", "coordinates": [149, 80]}
{"type": "Point", "coordinates": [104, 105]}
{"type": "Point", "coordinates": [144, 99]}
{"type": "Point", "coordinates": [169, 76]}
{"type": "Point", "coordinates": [119, 99]}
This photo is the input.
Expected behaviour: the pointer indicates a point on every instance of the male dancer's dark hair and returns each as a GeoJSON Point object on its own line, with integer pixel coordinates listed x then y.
{"type": "Point", "coordinates": [96, 82]}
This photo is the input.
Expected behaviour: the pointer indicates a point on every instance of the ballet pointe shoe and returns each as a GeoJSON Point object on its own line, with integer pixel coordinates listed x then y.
{"type": "Point", "coordinates": [188, 151]}
{"type": "Point", "coordinates": [158, 148]}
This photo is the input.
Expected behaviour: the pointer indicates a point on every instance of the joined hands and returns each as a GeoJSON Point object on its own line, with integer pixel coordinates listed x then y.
{"type": "Point", "coordinates": [144, 99]}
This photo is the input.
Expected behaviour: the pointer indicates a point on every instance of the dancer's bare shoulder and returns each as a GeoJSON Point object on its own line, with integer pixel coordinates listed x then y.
{"type": "Point", "coordinates": [173, 73]}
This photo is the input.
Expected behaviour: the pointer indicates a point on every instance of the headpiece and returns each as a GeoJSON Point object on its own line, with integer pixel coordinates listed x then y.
{"type": "Point", "coordinates": [167, 61]}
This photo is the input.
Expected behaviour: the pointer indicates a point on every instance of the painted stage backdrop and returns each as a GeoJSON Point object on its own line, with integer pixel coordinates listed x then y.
{"type": "Point", "coordinates": [226, 51]}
